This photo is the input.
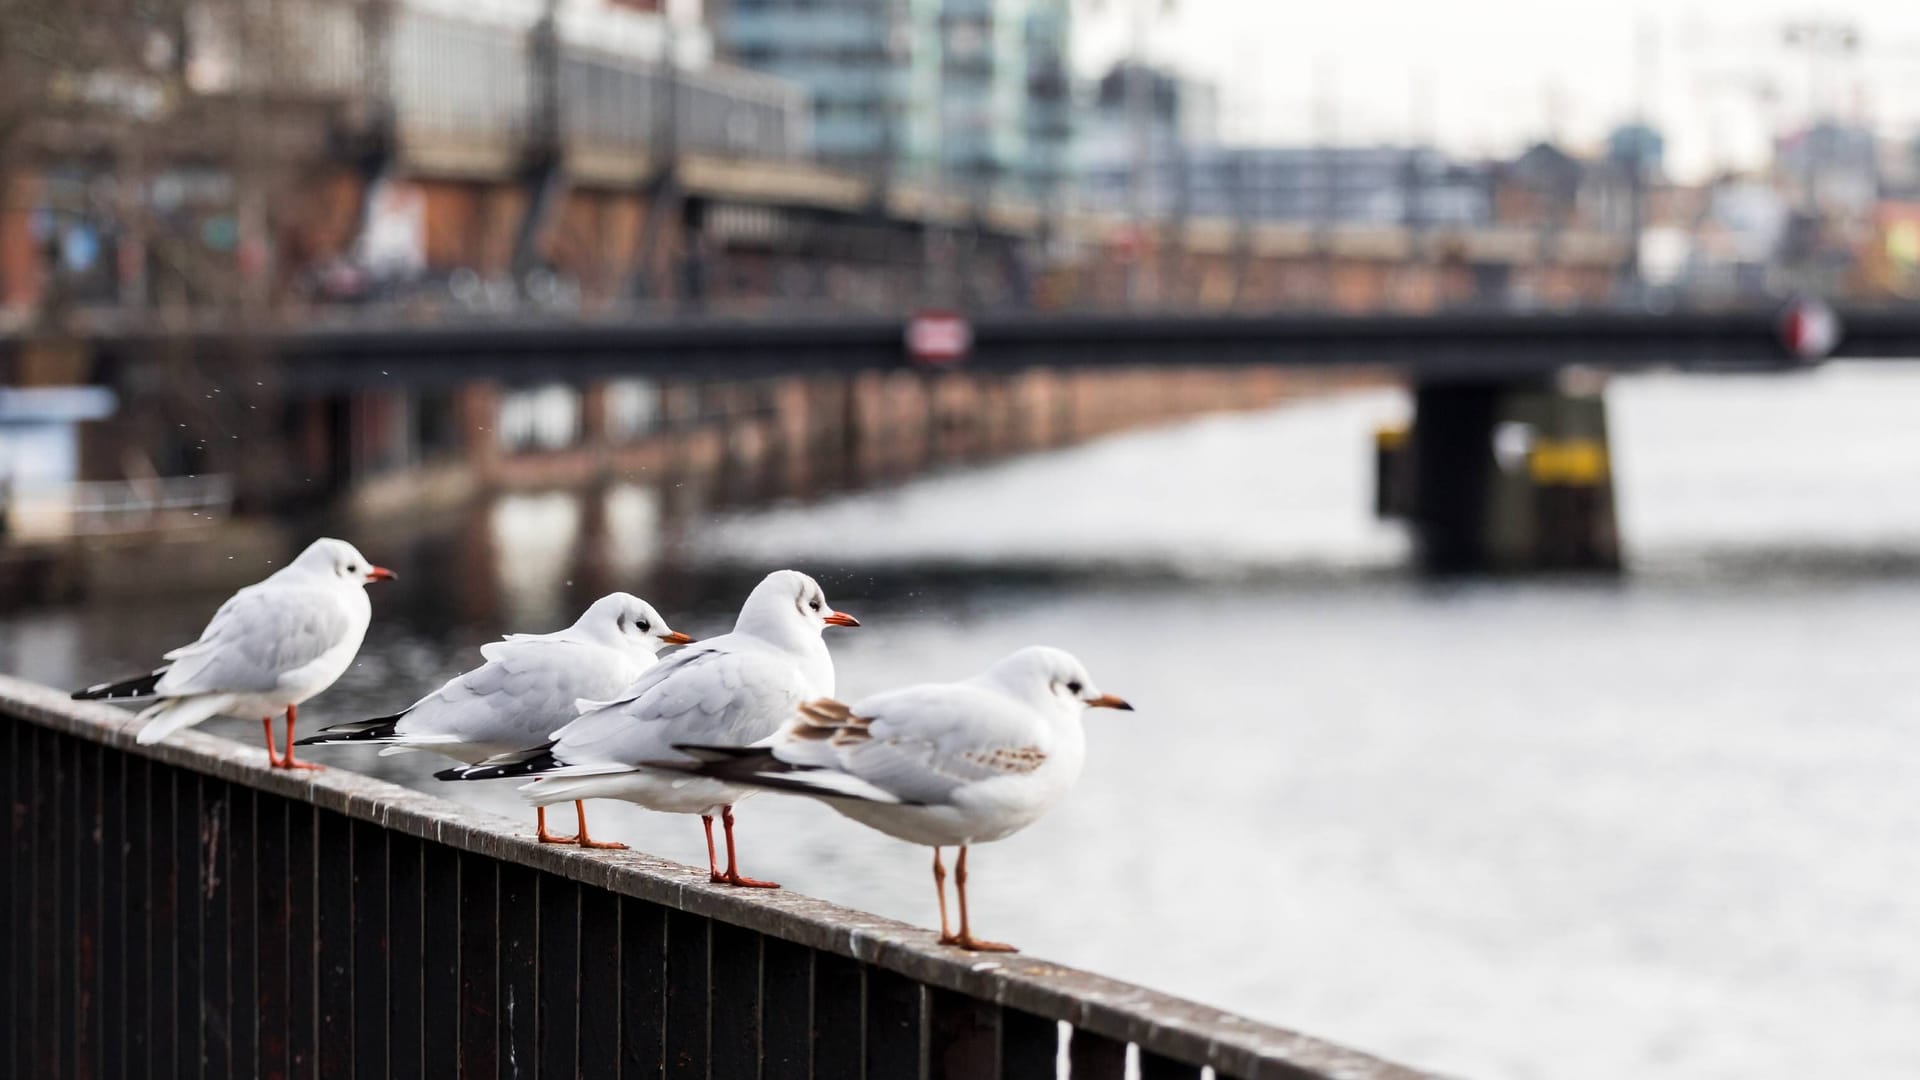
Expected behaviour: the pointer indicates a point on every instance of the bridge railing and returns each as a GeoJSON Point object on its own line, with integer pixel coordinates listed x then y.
{"type": "Point", "coordinates": [183, 909]}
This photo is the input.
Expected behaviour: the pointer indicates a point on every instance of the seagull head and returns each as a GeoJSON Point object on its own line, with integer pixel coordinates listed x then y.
{"type": "Point", "coordinates": [1053, 679]}
{"type": "Point", "coordinates": [624, 621]}
{"type": "Point", "coordinates": [786, 604]}
{"type": "Point", "coordinates": [341, 561]}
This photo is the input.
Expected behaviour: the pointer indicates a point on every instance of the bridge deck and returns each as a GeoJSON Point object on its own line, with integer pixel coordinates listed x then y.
{"type": "Point", "coordinates": [183, 906]}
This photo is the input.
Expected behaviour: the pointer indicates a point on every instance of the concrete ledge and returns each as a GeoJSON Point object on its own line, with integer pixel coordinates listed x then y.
{"type": "Point", "coordinates": [1173, 1027]}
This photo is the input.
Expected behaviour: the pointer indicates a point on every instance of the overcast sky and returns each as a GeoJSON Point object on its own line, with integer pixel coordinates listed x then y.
{"type": "Point", "coordinates": [1486, 76]}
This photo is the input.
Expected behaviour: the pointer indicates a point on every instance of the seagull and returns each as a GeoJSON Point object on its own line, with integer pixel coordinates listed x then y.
{"type": "Point", "coordinates": [940, 764]}
{"type": "Point", "coordinates": [526, 688]}
{"type": "Point", "coordinates": [271, 646]}
{"type": "Point", "coordinates": [737, 688]}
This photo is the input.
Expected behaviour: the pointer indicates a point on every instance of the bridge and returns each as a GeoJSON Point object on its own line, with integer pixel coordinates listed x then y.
{"type": "Point", "coordinates": [182, 908]}
{"type": "Point", "coordinates": [1506, 466]}
{"type": "Point", "coordinates": [1447, 347]}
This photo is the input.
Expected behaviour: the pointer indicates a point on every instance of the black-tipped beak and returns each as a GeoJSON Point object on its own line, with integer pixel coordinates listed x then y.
{"type": "Point", "coordinates": [841, 618]}
{"type": "Point", "coordinates": [380, 573]}
{"type": "Point", "coordinates": [1109, 701]}
{"type": "Point", "coordinates": [675, 637]}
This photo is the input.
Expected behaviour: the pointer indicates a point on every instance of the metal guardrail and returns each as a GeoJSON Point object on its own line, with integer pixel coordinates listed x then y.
{"type": "Point", "coordinates": [182, 909]}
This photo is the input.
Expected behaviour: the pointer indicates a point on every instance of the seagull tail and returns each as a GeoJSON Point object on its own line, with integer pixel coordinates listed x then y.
{"type": "Point", "coordinates": [173, 714]}
{"type": "Point", "coordinates": [137, 687]}
{"type": "Point", "coordinates": [378, 729]}
{"type": "Point", "coordinates": [755, 766]}
{"type": "Point", "coordinates": [529, 762]}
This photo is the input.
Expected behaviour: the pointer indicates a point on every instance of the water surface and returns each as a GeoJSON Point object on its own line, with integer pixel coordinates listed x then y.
{"type": "Point", "coordinates": [1569, 828]}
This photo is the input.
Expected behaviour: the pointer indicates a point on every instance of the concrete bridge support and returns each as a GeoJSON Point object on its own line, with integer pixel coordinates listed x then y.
{"type": "Point", "coordinates": [1506, 476]}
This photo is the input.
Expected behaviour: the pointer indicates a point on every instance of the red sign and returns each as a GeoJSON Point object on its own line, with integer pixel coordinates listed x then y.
{"type": "Point", "coordinates": [1809, 329]}
{"type": "Point", "coordinates": [939, 337]}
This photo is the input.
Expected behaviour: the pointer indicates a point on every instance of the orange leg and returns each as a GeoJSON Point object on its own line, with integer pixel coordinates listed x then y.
{"type": "Point", "coordinates": [545, 837]}
{"type": "Point", "coordinates": [965, 938]}
{"type": "Point", "coordinates": [940, 890]}
{"type": "Point", "coordinates": [733, 875]}
{"type": "Point", "coordinates": [273, 755]}
{"type": "Point", "coordinates": [580, 809]}
{"type": "Point", "coordinates": [293, 712]}
{"type": "Point", "coordinates": [713, 861]}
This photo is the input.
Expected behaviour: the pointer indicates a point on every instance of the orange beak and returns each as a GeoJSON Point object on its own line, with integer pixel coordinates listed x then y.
{"type": "Point", "coordinates": [380, 573]}
{"type": "Point", "coordinates": [1109, 701]}
{"type": "Point", "coordinates": [676, 638]}
{"type": "Point", "coordinates": [841, 618]}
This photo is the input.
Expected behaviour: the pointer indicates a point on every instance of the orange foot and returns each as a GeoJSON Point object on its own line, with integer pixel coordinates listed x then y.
{"type": "Point", "coordinates": [734, 877]}
{"type": "Point", "coordinates": [549, 838]}
{"type": "Point", "coordinates": [974, 944]}
{"type": "Point", "coordinates": [289, 763]}
{"type": "Point", "coordinates": [602, 845]}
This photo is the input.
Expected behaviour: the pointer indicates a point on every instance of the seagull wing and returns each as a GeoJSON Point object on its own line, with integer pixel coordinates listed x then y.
{"type": "Point", "coordinates": [262, 633]}
{"type": "Point", "coordinates": [724, 696]}
{"type": "Point", "coordinates": [524, 690]}
{"type": "Point", "coordinates": [916, 745]}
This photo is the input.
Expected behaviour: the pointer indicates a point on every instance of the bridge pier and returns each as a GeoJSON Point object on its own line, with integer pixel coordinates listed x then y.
{"type": "Point", "coordinates": [1509, 476]}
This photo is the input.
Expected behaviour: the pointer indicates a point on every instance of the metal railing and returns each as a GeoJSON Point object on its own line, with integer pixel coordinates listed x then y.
{"type": "Point", "coordinates": [181, 909]}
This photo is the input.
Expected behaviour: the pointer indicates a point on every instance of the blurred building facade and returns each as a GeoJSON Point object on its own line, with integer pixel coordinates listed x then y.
{"type": "Point", "coordinates": [969, 93]}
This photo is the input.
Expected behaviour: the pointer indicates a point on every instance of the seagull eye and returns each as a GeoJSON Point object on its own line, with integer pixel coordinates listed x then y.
{"type": "Point", "coordinates": [644, 625]}
{"type": "Point", "coordinates": [353, 568]}
{"type": "Point", "coordinates": [1073, 688]}
{"type": "Point", "coordinates": [814, 604]}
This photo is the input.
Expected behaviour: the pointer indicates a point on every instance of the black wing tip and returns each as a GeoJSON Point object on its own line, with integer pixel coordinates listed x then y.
{"type": "Point", "coordinates": [138, 686]}
{"type": "Point", "coordinates": [529, 762]}
{"type": "Point", "coordinates": [379, 727]}
{"type": "Point", "coordinates": [707, 753]}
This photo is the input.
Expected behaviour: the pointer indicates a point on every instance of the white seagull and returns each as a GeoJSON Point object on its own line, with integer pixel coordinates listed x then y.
{"type": "Point", "coordinates": [734, 689]}
{"type": "Point", "coordinates": [525, 690]}
{"type": "Point", "coordinates": [941, 764]}
{"type": "Point", "coordinates": [271, 646]}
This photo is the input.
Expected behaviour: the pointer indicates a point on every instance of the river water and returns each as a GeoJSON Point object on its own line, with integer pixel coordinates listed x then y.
{"type": "Point", "coordinates": [1664, 827]}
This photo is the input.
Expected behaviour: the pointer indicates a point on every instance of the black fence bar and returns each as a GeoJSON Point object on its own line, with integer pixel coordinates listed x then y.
{"type": "Point", "coordinates": [183, 910]}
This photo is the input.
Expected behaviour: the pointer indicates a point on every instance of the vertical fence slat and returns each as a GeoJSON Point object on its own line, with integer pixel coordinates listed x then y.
{"type": "Point", "coordinates": [838, 1012]}
{"type": "Point", "coordinates": [406, 958]}
{"type": "Point", "coordinates": [643, 989]}
{"type": "Point", "coordinates": [599, 1004]}
{"type": "Point", "coordinates": [1155, 1067]}
{"type": "Point", "coordinates": [163, 877]}
{"type": "Point", "coordinates": [1095, 1057]}
{"type": "Point", "coordinates": [86, 856]}
{"type": "Point", "coordinates": [894, 1022]}
{"type": "Point", "coordinates": [115, 915]}
{"type": "Point", "coordinates": [559, 992]}
{"type": "Point", "coordinates": [1029, 1045]}
{"type": "Point", "coordinates": [190, 895]}
{"type": "Point", "coordinates": [963, 1036]}
{"type": "Point", "coordinates": [369, 982]}
{"type": "Point", "coordinates": [45, 814]}
{"type": "Point", "coordinates": [303, 939]}
{"type": "Point", "coordinates": [15, 773]}
{"type": "Point", "coordinates": [216, 880]}
{"type": "Point", "coordinates": [689, 981]}
{"type": "Point", "coordinates": [519, 968]}
{"type": "Point", "coordinates": [786, 1009]}
{"type": "Point", "coordinates": [333, 920]}
{"type": "Point", "coordinates": [68, 881]}
{"type": "Point", "coordinates": [243, 929]}
{"type": "Point", "coordinates": [737, 1015]}
{"type": "Point", "coordinates": [479, 965]}
{"type": "Point", "coordinates": [440, 917]}
{"type": "Point", "coordinates": [272, 1020]}
{"type": "Point", "coordinates": [138, 837]}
